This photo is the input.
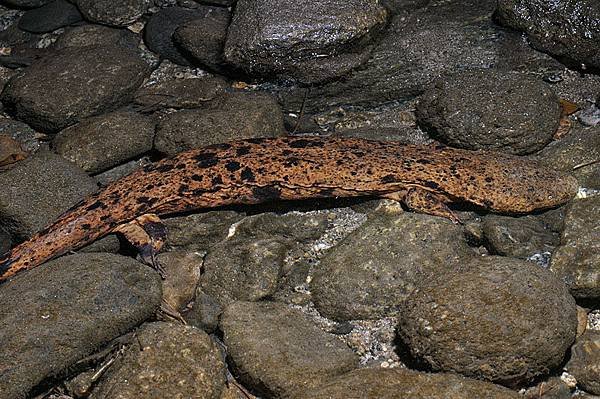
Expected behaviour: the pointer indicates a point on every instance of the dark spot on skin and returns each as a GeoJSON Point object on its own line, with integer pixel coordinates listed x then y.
{"type": "Point", "coordinates": [247, 175]}
{"type": "Point", "coordinates": [255, 140]}
{"type": "Point", "coordinates": [423, 161]}
{"type": "Point", "coordinates": [303, 143]}
{"type": "Point", "coordinates": [206, 159]}
{"type": "Point", "coordinates": [183, 189]}
{"type": "Point", "coordinates": [285, 153]}
{"type": "Point", "coordinates": [242, 151]}
{"type": "Point", "coordinates": [489, 179]}
{"type": "Point", "coordinates": [487, 203]}
{"type": "Point", "coordinates": [163, 168]}
{"type": "Point", "coordinates": [339, 162]}
{"type": "Point", "coordinates": [292, 161]}
{"type": "Point", "coordinates": [197, 177]}
{"type": "Point", "coordinates": [431, 184]}
{"type": "Point", "coordinates": [326, 192]}
{"type": "Point", "coordinates": [146, 200]}
{"type": "Point", "coordinates": [95, 205]}
{"type": "Point", "coordinates": [261, 171]}
{"type": "Point", "coordinates": [267, 193]}
{"type": "Point", "coordinates": [155, 230]}
{"type": "Point", "coordinates": [220, 146]}
{"type": "Point", "coordinates": [389, 179]}
{"type": "Point", "coordinates": [232, 166]}
{"type": "Point", "coordinates": [104, 217]}
{"type": "Point", "coordinates": [86, 226]}
{"type": "Point", "coordinates": [180, 166]}
{"type": "Point", "coordinates": [149, 187]}
{"type": "Point", "coordinates": [359, 154]}
{"type": "Point", "coordinates": [216, 180]}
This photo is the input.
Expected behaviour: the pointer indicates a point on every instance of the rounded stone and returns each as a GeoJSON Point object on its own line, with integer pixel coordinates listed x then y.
{"type": "Point", "coordinates": [101, 142]}
{"type": "Point", "coordinates": [397, 383]}
{"type": "Point", "coordinates": [499, 319]}
{"type": "Point", "coordinates": [508, 112]}
{"type": "Point", "coordinates": [110, 12]}
{"type": "Point", "coordinates": [585, 361]}
{"type": "Point", "coordinates": [96, 35]}
{"type": "Point", "coordinates": [50, 17]}
{"type": "Point", "coordinates": [72, 84]}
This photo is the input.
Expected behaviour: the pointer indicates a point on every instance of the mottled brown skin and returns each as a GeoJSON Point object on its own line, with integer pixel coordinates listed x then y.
{"type": "Point", "coordinates": [286, 168]}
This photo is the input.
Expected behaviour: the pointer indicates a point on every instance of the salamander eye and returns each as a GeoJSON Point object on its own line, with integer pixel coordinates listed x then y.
{"type": "Point", "coordinates": [550, 197]}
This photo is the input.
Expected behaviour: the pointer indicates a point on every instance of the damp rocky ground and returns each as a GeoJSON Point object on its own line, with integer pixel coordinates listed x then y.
{"type": "Point", "coordinates": [324, 298]}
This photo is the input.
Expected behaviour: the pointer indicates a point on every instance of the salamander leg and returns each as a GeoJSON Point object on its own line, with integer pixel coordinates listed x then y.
{"type": "Point", "coordinates": [147, 233]}
{"type": "Point", "coordinates": [424, 201]}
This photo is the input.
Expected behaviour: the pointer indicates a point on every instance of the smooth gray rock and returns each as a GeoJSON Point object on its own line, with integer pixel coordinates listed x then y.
{"type": "Point", "coordinates": [61, 312]}
{"type": "Point", "coordinates": [400, 383]}
{"type": "Point", "coordinates": [312, 41]}
{"type": "Point", "coordinates": [278, 351]}
{"type": "Point", "coordinates": [585, 361]}
{"type": "Point", "coordinates": [378, 266]}
{"type": "Point", "coordinates": [39, 189]}
{"type": "Point", "coordinates": [490, 110]}
{"type": "Point", "coordinates": [165, 361]}
{"type": "Point", "coordinates": [72, 84]}
{"type": "Point", "coordinates": [101, 142]}
{"type": "Point", "coordinates": [237, 116]}
{"type": "Point", "coordinates": [200, 231]}
{"type": "Point", "coordinates": [49, 17]}
{"type": "Point", "coordinates": [180, 93]}
{"type": "Point", "coordinates": [114, 13]}
{"type": "Point", "coordinates": [96, 35]}
{"type": "Point", "coordinates": [26, 3]}
{"type": "Point", "coordinates": [567, 29]}
{"type": "Point", "coordinates": [576, 260]}
{"type": "Point", "coordinates": [499, 319]}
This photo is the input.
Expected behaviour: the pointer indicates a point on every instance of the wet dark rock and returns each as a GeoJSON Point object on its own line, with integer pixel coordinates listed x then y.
{"type": "Point", "coordinates": [109, 12]}
{"type": "Point", "coordinates": [509, 112]}
{"type": "Point", "coordinates": [101, 142]}
{"type": "Point", "coordinates": [165, 361]}
{"type": "Point", "coordinates": [160, 28]}
{"type": "Point", "coordinates": [200, 230]}
{"type": "Point", "coordinates": [566, 29]}
{"type": "Point", "coordinates": [278, 352]}
{"type": "Point", "coordinates": [396, 6]}
{"type": "Point", "coordinates": [205, 312]}
{"type": "Point", "coordinates": [400, 383]}
{"type": "Point", "coordinates": [180, 93]}
{"type": "Point", "coordinates": [223, 3]}
{"type": "Point", "coordinates": [575, 261]}
{"type": "Point", "coordinates": [75, 83]}
{"type": "Point", "coordinates": [371, 272]}
{"type": "Point", "coordinates": [495, 318]}
{"type": "Point", "coordinates": [96, 35]}
{"type": "Point", "coordinates": [39, 189]}
{"type": "Point", "coordinates": [311, 42]}
{"type": "Point", "coordinates": [26, 3]}
{"type": "Point", "coordinates": [239, 116]}
{"type": "Point", "coordinates": [49, 17]}
{"type": "Point", "coordinates": [203, 38]}
{"type": "Point", "coordinates": [5, 241]}
{"type": "Point", "coordinates": [117, 172]}
{"type": "Point", "coordinates": [459, 36]}
{"type": "Point", "coordinates": [61, 312]}
{"type": "Point", "coordinates": [581, 149]}
{"type": "Point", "coordinates": [518, 237]}
{"type": "Point", "coordinates": [585, 361]}
{"type": "Point", "coordinates": [22, 132]}
{"type": "Point", "coordinates": [551, 388]}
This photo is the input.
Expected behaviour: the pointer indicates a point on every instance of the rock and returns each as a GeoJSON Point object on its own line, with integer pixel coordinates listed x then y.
{"type": "Point", "coordinates": [575, 261]}
{"type": "Point", "coordinates": [278, 352]}
{"type": "Point", "coordinates": [108, 12]}
{"type": "Point", "coordinates": [204, 38]}
{"type": "Point", "coordinates": [182, 273]}
{"type": "Point", "coordinates": [200, 231]}
{"type": "Point", "coordinates": [499, 319]}
{"type": "Point", "coordinates": [585, 361]}
{"type": "Point", "coordinates": [96, 35]}
{"type": "Point", "coordinates": [75, 83]}
{"type": "Point", "coordinates": [459, 36]}
{"type": "Point", "coordinates": [165, 361]}
{"type": "Point", "coordinates": [238, 116]}
{"type": "Point", "coordinates": [581, 149]}
{"type": "Point", "coordinates": [180, 93]}
{"type": "Point", "coordinates": [312, 41]}
{"type": "Point", "coordinates": [159, 30]}
{"type": "Point", "coordinates": [101, 142]}
{"type": "Point", "coordinates": [247, 266]}
{"type": "Point", "coordinates": [551, 388]}
{"type": "Point", "coordinates": [49, 17]}
{"type": "Point", "coordinates": [116, 173]}
{"type": "Point", "coordinates": [39, 189]}
{"type": "Point", "coordinates": [490, 110]}
{"type": "Point", "coordinates": [223, 3]}
{"type": "Point", "coordinates": [205, 313]}
{"type": "Point", "coordinates": [400, 383]}
{"type": "Point", "coordinates": [518, 237]}
{"type": "Point", "coordinates": [25, 135]}
{"type": "Point", "coordinates": [61, 312]}
{"type": "Point", "coordinates": [376, 267]}
{"type": "Point", "coordinates": [559, 28]}
{"type": "Point", "coordinates": [26, 3]}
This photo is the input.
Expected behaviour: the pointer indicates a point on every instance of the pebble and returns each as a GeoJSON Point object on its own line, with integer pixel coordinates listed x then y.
{"type": "Point", "coordinates": [180, 93]}
{"type": "Point", "coordinates": [585, 361]}
{"type": "Point", "coordinates": [108, 12]}
{"type": "Point", "coordinates": [96, 35]}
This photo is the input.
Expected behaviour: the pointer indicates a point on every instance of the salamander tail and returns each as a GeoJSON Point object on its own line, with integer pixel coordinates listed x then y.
{"type": "Point", "coordinates": [7, 262]}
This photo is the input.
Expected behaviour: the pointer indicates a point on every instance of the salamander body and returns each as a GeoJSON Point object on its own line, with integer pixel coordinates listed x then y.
{"type": "Point", "coordinates": [286, 168]}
